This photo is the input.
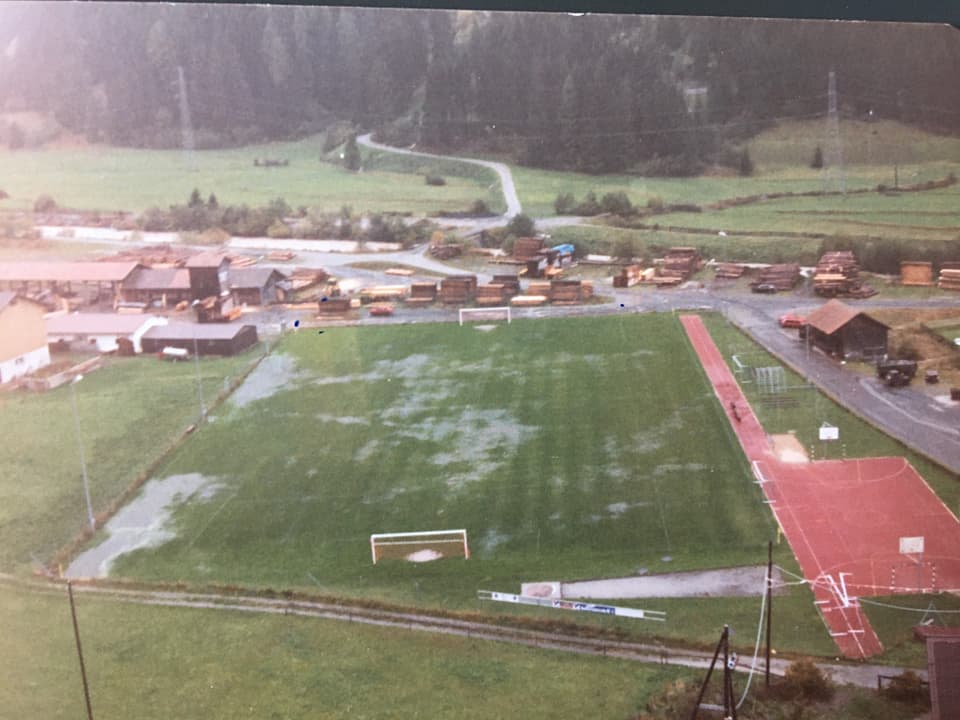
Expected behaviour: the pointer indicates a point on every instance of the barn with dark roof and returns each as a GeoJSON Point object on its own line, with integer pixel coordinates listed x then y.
{"type": "Point", "coordinates": [846, 332]}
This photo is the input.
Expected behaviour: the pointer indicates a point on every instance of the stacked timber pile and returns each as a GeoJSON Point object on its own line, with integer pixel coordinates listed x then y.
{"type": "Point", "coordinates": [949, 277]}
{"type": "Point", "coordinates": [446, 252]}
{"type": "Point", "coordinates": [302, 278]}
{"type": "Point", "coordinates": [783, 276]}
{"type": "Point", "coordinates": [628, 276]}
{"type": "Point", "coordinates": [915, 272]}
{"type": "Point", "coordinates": [152, 256]}
{"type": "Point", "coordinates": [836, 274]}
{"type": "Point", "coordinates": [422, 293]}
{"type": "Point", "coordinates": [511, 283]}
{"type": "Point", "coordinates": [280, 256]}
{"type": "Point", "coordinates": [334, 306]}
{"type": "Point", "coordinates": [528, 300]}
{"type": "Point", "coordinates": [458, 289]}
{"type": "Point", "coordinates": [729, 271]}
{"type": "Point", "coordinates": [383, 293]}
{"type": "Point", "coordinates": [568, 292]}
{"type": "Point", "coordinates": [238, 261]}
{"type": "Point", "coordinates": [493, 294]}
{"type": "Point", "coordinates": [678, 265]}
{"type": "Point", "coordinates": [541, 289]}
{"type": "Point", "coordinates": [528, 248]}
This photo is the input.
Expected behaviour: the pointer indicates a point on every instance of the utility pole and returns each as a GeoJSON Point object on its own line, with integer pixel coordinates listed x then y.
{"type": "Point", "coordinates": [769, 604]}
{"type": "Point", "coordinates": [76, 635]}
{"type": "Point", "coordinates": [186, 125]}
{"type": "Point", "coordinates": [729, 707]}
{"type": "Point", "coordinates": [834, 177]}
{"type": "Point", "coordinates": [83, 460]}
{"type": "Point", "coordinates": [196, 363]}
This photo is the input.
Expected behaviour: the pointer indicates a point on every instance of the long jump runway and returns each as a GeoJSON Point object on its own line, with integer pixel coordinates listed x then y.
{"type": "Point", "coordinates": [843, 518]}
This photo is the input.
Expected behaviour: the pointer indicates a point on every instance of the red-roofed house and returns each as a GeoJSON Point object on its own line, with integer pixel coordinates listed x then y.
{"type": "Point", "coordinates": [845, 332]}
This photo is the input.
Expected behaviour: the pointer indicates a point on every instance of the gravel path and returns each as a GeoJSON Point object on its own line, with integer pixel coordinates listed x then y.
{"type": "Point", "coordinates": [862, 675]}
{"type": "Point", "coordinates": [502, 171]}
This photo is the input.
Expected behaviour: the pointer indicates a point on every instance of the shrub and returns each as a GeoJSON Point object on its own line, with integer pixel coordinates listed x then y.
{"type": "Point", "coordinates": [803, 679]}
{"type": "Point", "coordinates": [655, 203]}
{"type": "Point", "coordinates": [435, 180]}
{"type": "Point", "coordinates": [4, 195]}
{"type": "Point", "coordinates": [616, 203]}
{"type": "Point", "coordinates": [904, 349]}
{"type": "Point", "coordinates": [817, 162]}
{"type": "Point", "coordinates": [279, 229]}
{"type": "Point", "coordinates": [521, 226]}
{"type": "Point", "coordinates": [624, 249]}
{"type": "Point", "coordinates": [479, 207]}
{"type": "Point", "coordinates": [44, 204]}
{"type": "Point", "coordinates": [906, 688]}
{"type": "Point", "coordinates": [564, 204]}
{"type": "Point", "coordinates": [589, 206]}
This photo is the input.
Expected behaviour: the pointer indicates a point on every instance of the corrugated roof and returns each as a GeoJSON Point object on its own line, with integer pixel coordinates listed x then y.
{"type": "Point", "coordinates": [158, 279]}
{"type": "Point", "coordinates": [253, 277]}
{"type": "Point", "coordinates": [833, 315]}
{"type": "Point", "coordinates": [66, 271]}
{"type": "Point", "coordinates": [206, 259]}
{"type": "Point", "coordinates": [189, 331]}
{"type": "Point", "coordinates": [96, 324]}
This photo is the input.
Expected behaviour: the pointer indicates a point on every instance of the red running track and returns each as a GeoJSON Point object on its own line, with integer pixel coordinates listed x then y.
{"type": "Point", "coordinates": [843, 518]}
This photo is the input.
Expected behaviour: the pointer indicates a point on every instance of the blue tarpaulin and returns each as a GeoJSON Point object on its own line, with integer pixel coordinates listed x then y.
{"type": "Point", "coordinates": [565, 249]}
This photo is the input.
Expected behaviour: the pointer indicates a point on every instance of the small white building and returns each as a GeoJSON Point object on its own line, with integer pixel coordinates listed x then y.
{"type": "Point", "coordinates": [23, 340]}
{"type": "Point", "coordinates": [100, 330]}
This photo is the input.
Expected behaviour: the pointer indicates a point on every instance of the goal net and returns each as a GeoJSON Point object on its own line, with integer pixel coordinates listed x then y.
{"type": "Point", "coordinates": [485, 313]}
{"type": "Point", "coordinates": [419, 546]}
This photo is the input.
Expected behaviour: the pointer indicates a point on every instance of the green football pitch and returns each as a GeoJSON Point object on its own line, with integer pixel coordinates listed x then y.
{"type": "Point", "coordinates": [569, 448]}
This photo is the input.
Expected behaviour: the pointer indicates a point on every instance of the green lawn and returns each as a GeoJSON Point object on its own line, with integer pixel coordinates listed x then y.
{"type": "Point", "coordinates": [153, 662]}
{"type": "Point", "coordinates": [110, 178]}
{"type": "Point", "coordinates": [894, 623]}
{"type": "Point", "coordinates": [781, 156]}
{"type": "Point", "coordinates": [129, 412]}
{"type": "Point", "coordinates": [557, 444]}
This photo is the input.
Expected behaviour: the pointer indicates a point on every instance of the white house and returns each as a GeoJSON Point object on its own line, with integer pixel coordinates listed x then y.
{"type": "Point", "coordinates": [23, 339]}
{"type": "Point", "coordinates": [100, 330]}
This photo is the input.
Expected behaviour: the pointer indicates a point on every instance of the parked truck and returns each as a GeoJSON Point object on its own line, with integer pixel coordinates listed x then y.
{"type": "Point", "coordinates": [896, 373]}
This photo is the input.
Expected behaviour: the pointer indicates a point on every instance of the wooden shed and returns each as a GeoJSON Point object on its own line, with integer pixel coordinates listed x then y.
{"type": "Point", "coordinates": [207, 339]}
{"type": "Point", "coordinates": [845, 332]}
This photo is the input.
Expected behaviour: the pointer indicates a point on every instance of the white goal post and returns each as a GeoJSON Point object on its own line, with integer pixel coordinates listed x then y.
{"type": "Point", "coordinates": [419, 546]}
{"type": "Point", "coordinates": [487, 313]}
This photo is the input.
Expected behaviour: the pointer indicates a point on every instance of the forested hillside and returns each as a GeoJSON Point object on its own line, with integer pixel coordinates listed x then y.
{"type": "Point", "coordinates": [593, 93]}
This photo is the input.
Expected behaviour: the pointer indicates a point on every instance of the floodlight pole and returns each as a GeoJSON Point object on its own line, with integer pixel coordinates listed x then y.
{"type": "Point", "coordinates": [83, 459]}
{"type": "Point", "coordinates": [76, 635]}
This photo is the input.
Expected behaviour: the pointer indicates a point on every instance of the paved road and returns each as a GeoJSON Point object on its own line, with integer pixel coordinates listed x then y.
{"type": "Point", "coordinates": [915, 418]}
{"type": "Point", "coordinates": [502, 171]}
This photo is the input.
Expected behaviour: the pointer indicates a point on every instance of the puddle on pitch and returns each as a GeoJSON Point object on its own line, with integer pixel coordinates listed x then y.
{"type": "Point", "coordinates": [144, 522]}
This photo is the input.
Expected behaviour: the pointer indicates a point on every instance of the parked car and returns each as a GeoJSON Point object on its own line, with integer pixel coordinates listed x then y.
{"type": "Point", "coordinates": [381, 309]}
{"type": "Point", "coordinates": [792, 321]}
{"type": "Point", "coordinates": [765, 288]}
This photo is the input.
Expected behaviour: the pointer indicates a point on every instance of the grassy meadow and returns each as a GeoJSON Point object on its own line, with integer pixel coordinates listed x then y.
{"type": "Point", "coordinates": [112, 178]}
{"type": "Point", "coordinates": [129, 411]}
{"type": "Point", "coordinates": [158, 662]}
